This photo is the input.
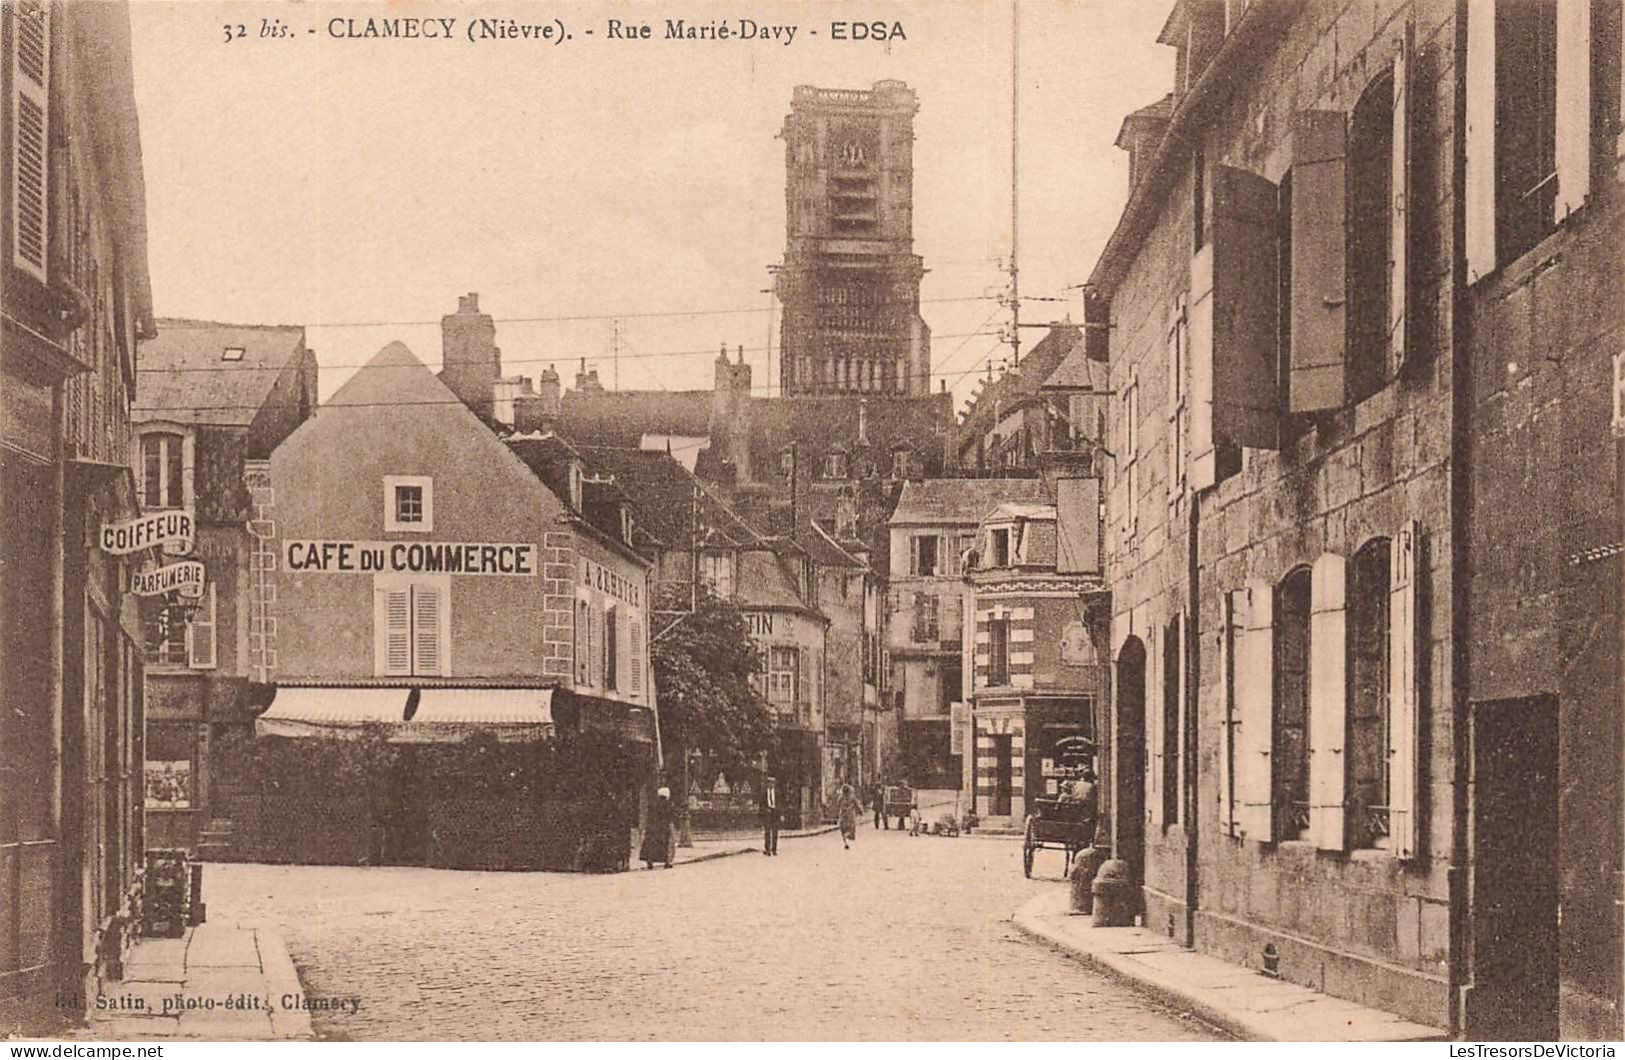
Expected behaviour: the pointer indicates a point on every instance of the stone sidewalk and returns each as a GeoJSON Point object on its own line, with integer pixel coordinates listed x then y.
{"type": "Point", "coordinates": [230, 981]}
{"type": "Point", "coordinates": [1243, 1002]}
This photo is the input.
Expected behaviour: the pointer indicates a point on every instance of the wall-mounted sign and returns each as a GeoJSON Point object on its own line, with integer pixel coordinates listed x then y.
{"type": "Point", "coordinates": [597, 576]}
{"type": "Point", "coordinates": [186, 578]}
{"type": "Point", "coordinates": [171, 529]}
{"type": "Point", "coordinates": [760, 623]}
{"type": "Point", "coordinates": [410, 557]}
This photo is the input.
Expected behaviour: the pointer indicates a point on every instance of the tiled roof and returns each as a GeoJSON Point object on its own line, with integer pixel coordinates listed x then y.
{"type": "Point", "coordinates": [394, 376]}
{"type": "Point", "coordinates": [1005, 391]}
{"type": "Point", "coordinates": [662, 490]}
{"type": "Point", "coordinates": [765, 580]}
{"type": "Point", "coordinates": [1078, 372]}
{"type": "Point", "coordinates": [962, 500]}
{"type": "Point", "coordinates": [182, 375]}
{"type": "Point", "coordinates": [621, 418]}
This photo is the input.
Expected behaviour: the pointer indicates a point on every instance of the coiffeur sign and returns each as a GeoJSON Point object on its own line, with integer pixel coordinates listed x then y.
{"type": "Point", "coordinates": [186, 578]}
{"type": "Point", "coordinates": [411, 557]}
{"type": "Point", "coordinates": [171, 529]}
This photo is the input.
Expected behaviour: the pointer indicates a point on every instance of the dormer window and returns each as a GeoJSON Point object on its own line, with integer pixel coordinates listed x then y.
{"type": "Point", "coordinates": [232, 353]}
{"type": "Point", "coordinates": [627, 524]}
{"type": "Point", "coordinates": [835, 465]}
{"type": "Point", "coordinates": [999, 548]}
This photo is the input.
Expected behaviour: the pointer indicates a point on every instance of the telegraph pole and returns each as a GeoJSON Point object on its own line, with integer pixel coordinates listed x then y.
{"type": "Point", "coordinates": [1015, 186]}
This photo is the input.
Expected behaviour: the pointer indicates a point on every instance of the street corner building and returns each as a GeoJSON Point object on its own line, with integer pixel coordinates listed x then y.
{"type": "Point", "coordinates": [456, 630]}
{"type": "Point", "coordinates": [1364, 324]}
{"type": "Point", "coordinates": [74, 299]}
{"type": "Point", "coordinates": [211, 400]}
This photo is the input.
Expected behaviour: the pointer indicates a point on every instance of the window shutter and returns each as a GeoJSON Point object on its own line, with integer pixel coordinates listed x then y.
{"type": "Point", "coordinates": [1319, 273]}
{"type": "Point", "coordinates": [31, 141]}
{"type": "Point", "coordinates": [427, 658]}
{"type": "Point", "coordinates": [201, 634]}
{"type": "Point", "coordinates": [1399, 344]}
{"type": "Point", "coordinates": [800, 680]}
{"type": "Point", "coordinates": [1573, 106]}
{"type": "Point", "coordinates": [634, 659]}
{"type": "Point", "coordinates": [1403, 583]}
{"type": "Point", "coordinates": [1153, 726]}
{"type": "Point", "coordinates": [583, 645]}
{"type": "Point", "coordinates": [1328, 701]}
{"type": "Point", "coordinates": [393, 615]}
{"type": "Point", "coordinates": [595, 646]}
{"type": "Point", "coordinates": [1619, 395]}
{"type": "Point", "coordinates": [1480, 192]}
{"type": "Point", "coordinates": [1254, 683]}
{"type": "Point", "coordinates": [1229, 633]}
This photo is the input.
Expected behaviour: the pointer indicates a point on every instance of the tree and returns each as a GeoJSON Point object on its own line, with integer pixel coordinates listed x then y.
{"type": "Point", "coordinates": [705, 665]}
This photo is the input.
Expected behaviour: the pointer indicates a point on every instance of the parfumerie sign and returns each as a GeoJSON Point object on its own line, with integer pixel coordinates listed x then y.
{"type": "Point", "coordinates": [410, 557]}
{"type": "Point", "coordinates": [185, 578]}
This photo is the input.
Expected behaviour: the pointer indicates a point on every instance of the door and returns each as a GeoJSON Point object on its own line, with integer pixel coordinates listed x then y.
{"type": "Point", "coordinates": [1514, 899]}
{"type": "Point", "coordinates": [1002, 775]}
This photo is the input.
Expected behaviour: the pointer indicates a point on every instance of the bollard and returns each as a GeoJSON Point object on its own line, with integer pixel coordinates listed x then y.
{"type": "Point", "coordinates": [1116, 896]}
{"type": "Point", "coordinates": [1084, 867]}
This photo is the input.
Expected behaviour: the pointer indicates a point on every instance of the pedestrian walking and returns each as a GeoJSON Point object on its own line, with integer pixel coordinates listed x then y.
{"type": "Point", "coordinates": [847, 809]}
{"type": "Point", "coordinates": [770, 817]}
{"type": "Point", "coordinates": [660, 836]}
{"type": "Point", "coordinates": [880, 805]}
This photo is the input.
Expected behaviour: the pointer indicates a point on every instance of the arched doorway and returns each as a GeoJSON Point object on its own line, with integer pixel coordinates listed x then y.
{"type": "Point", "coordinates": [1128, 778]}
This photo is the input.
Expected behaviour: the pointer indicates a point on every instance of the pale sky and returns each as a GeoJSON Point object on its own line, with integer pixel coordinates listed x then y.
{"type": "Point", "coordinates": [331, 183]}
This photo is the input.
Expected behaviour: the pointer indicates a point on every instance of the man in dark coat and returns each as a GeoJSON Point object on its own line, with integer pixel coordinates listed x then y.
{"type": "Point", "coordinates": [880, 805]}
{"type": "Point", "coordinates": [770, 817]}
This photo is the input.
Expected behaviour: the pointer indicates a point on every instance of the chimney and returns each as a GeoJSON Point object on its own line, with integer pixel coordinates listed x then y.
{"type": "Point", "coordinates": [550, 389]}
{"type": "Point", "coordinates": [471, 364]}
{"type": "Point", "coordinates": [587, 382]}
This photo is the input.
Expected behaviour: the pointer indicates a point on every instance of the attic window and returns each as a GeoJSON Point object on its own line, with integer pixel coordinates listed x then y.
{"type": "Point", "coordinates": [232, 353]}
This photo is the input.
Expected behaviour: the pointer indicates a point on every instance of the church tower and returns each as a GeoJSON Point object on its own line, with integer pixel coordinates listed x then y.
{"type": "Point", "coordinates": [850, 280]}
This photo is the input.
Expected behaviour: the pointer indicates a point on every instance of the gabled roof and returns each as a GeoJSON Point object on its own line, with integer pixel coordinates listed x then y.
{"type": "Point", "coordinates": [1150, 114]}
{"type": "Point", "coordinates": [1039, 364]}
{"type": "Point", "coordinates": [664, 494]}
{"type": "Point", "coordinates": [1078, 372]}
{"type": "Point", "coordinates": [394, 376]}
{"type": "Point", "coordinates": [1009, 512]}
{"type": "Point", "coordinates": [961, 500]}
{"type": "Point", "coordinates": [181, 375]}
{"type": "Point", "coordinates": [765, 580]}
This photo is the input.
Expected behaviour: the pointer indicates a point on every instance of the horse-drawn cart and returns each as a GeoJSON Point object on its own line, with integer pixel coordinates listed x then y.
{"type": "Point", "coordinates": [1057, 824]}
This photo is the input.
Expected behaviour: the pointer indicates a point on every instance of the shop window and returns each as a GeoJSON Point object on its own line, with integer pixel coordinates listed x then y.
{"type": "Point", "coordinates": [1291, 723]}
{"type": "Point", "coordinates": [168, 776]}
{"type": "Point", "coordinates": [411, 627]}
{"type": "Point", "coordinates": [1529, 118]}
{"type": "Point", "coordinates": [998, 659]}
{"type": "Point", "coordinates": [183, 633]}
{"type": "Point", "coordinates": [164, 467]}
{"type": "Point", "coordinates": [1368, 694]}
{"type": "Point", "coordinates": [409, 503]}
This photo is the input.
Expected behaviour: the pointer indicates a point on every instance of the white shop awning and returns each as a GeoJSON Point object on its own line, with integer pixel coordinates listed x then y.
{"type": "Point", "coordinates": [335, 712]}
{"type": "Point", "coordinates": [450, 714]}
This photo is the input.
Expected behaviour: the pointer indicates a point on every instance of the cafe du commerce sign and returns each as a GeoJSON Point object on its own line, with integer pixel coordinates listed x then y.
{"type": "Point", "coordinates": [415, 557]}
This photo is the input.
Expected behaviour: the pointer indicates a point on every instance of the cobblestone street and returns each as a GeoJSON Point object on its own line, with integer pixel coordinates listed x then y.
{"type": "Point", "coordinates": [899, 937]}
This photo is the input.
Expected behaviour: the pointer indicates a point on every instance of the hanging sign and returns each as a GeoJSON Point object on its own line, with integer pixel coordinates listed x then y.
{"type": "Point", "coordinates": [185, 578]}
{"type": "Point", "coordinates": [171, 529]}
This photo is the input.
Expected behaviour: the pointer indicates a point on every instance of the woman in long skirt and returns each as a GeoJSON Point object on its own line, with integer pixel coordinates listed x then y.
{"type": "Point", "coordinates": [847, 809]}
{"type": "Point", "coordinates": [659, 838]}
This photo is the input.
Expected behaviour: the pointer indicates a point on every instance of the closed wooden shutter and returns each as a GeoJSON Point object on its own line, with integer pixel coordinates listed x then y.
{"type": "Point", "coordinates": [595, 646]}
{"type": "Point", "coordinates": [1619, 395]}
{"type": "Point", "coordinates": [583, 644]}
{"type": "Point", "coordinates": [1319, 265]}
{"type": "Point", "coordinates": [1228, 636]}
{"type": "Point", "coordinates": [1328, 702]}
{"type": "Point", "coordinates": [1573, 106]}
{"type": "Point", "coordinates": [427, 650]}
{"type": "Point", "coordinates": [1480, 191]}
{"type": "Point", "coordinates": [201, 634]}
{"type": "Point", "coordinates": [1399, 344]}
{"type": "Point", "coordinates": [393, 614]}
{"type": "Point", "coordinates": [1254, 682]}
{"type": "Point", "coordinates": [1403, 583]}
{"type": "Point", "coordinates": [1153, 726]}
{"type": "Point", "coordinates": [634, 658]}
{"type": "Point", "coordinates": [31, 140]}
